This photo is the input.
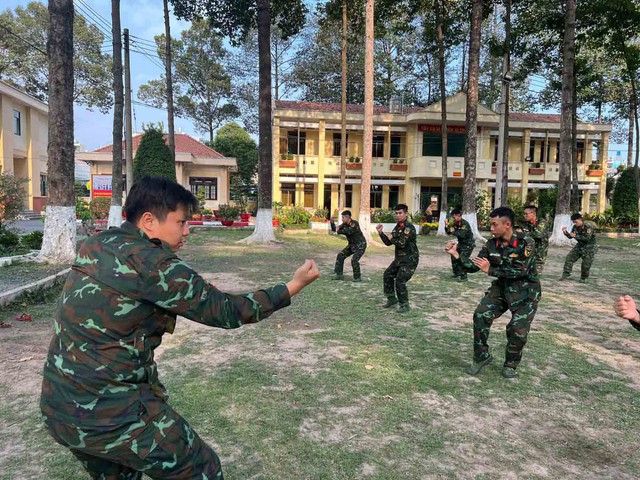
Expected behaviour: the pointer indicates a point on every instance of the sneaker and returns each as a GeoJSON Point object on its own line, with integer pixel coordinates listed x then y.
{"type": "Point", "coordinates": [357, 280]}
{"type": "Point", "coordinates": [403, 308]}
{"type": "Point", "coordinates": [477, 367]}
{"type": "Point", "coordinates": [337, 276]}
{"type": "Point", "coordinates": [391, 301]}
{"type": "Point", "coordinates": [508, 372]}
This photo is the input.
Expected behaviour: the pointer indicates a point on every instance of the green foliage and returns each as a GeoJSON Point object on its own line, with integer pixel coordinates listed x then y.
{"type": "Point", "coordinates": [12, 196]}
{"type": "Point", "coordinates": [9, 241]}
{"type": "Point", "coordinates": [99, 208]}
{"type": "Point", "coordinates": [606, 220]}
{"type": "Point", "coordinates": [320, 215]}
{"type": "Point", "coordinates": [483, 207]}
{"type": "Point", "coordinates": [200, 196]}
{"type": "Point", "coordinates": [228, 212]}
{"type": "Point", "coordinates": [83, 212]}
{"type": "Point", "coordinates": [416, 217]}
{"type": "Point", "coordinates": [289, 216]}
{"type": "Point", "coordinates": [80, 189]}
{"type": "Point", "coordinates": [32, 241]}
{"type": "Point", "coordinates": [547, 202]}
{"type": "Point", "coordinates": [233, 141]}
{"type": "Point", "coordinates": [383, 215]}
{"type": "Point", "coordinates": [517, 206]}
{"type": "Point", "coordinates": [625, 196]}
{"type": "Point", "coordinates": [26, 67]}
{"type": "Point", "coordinates": [153, 156]}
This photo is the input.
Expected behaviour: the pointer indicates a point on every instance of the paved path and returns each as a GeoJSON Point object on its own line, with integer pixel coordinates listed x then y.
{"type": "Point", "coordinates": [27, 226]}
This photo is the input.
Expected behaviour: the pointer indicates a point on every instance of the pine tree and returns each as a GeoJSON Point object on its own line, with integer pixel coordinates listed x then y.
{"type": "Point", "coordinates": [153, 157]}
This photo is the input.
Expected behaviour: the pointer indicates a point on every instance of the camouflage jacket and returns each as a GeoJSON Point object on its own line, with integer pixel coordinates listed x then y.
{"type": "Point", "coordinates": [123, 293]}
{"type": "Point", "coordinates": [353, 233]}
{"type": "Point", "coordinates": [538, 231]}
{"type": "Point", "coordinates": [514, 261]}
{"type": "Point", "coordinates": [403, 237]}
{"type": "Point", "coordinates": [585, 235]}
{"type": "Point", "coordinates": [462, 231]}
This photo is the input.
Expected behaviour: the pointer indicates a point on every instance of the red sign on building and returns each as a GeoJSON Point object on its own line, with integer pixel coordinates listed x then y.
{"type": "Point", "coordinates": [100, 186]}
{"type": "Point", "coordinates": [438, 128]}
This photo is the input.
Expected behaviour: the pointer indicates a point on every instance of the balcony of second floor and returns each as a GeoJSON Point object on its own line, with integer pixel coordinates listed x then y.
{"type": "Point", "coordinates": [309, 164]}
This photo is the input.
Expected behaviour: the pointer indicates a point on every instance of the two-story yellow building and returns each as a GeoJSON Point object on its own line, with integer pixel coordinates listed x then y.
{"type": "Point", "coordinates": [407, 154]}
{"type": "Point", "coordinates": [23, 142]}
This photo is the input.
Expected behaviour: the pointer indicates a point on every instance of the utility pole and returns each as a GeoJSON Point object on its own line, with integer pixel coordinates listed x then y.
{"type": "Point", "coordinates": [167, 62]}
{"type": "Point", "coordinates": [127, 112]}
{"type": "Point", "coordinates": [502, 170]}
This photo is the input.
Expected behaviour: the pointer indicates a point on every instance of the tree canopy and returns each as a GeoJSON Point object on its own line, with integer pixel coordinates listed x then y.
{"type": "Point", "coordinates": [153, 157]}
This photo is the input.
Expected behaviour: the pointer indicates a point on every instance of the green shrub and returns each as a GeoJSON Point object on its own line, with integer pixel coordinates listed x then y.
{"type": "Point", "coordinates": [9, 241]}
{"type": "Point", "coordinates": [153, 156]}
{"type": "Point", "coordinates": [625, 197]}
{"type": "Point", "coordinates": [288, 216]}
{"type": "Point", "coordinates": [383, 215]}
{"type": "Point", "coordinates": [12, 196]}
{"type": "Point", "coordinates": [99, 208]}
{"type": "Point", "coordinates": [32, 241]}
{"type": "Point", "coordinates": [228, 212]}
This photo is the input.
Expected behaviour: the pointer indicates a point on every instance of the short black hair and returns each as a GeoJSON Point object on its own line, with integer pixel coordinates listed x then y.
{"type": "Point", "coordinates": [503, 212]}
{"type": "Point", "coordinates": [159, 196]}
{"type": "Point", "coordinates": [531, 207]}
{"type": "Point", "coordinates": [346, 212]}
{"type": "Point", "coordinates": [401, 206]}
{"type": "Point", "coordinates": [456, 211]}
{"type": "Point", "coordinates": [576, 216]}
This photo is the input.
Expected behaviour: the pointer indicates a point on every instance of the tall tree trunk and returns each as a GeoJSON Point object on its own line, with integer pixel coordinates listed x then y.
{"type": "Point", "coordinates": [469, 188]}
{"type": "Point", "coordinates": [440, 14]}
{"type": "Point", "coordinates": [632, 110]}
{"type": "Point", "coordinates": [463, 76]}
{"type": "Point", "coordinates": [59, 242]}
{"type": "Point", "coordinates": [276, 79]}
{"type": "Point", "coordinates": [365, 183]}
{"type": "Point", "coordinates": [502, 177]}
{"type": "Point", "coordinates": [636, 170]}
{"type": "Point", "coordinates": [563, 217]}
{"type": "Point", "coordinates": [127, 116]}
{"type": "Point", "coordinates": [343, 135]}
{"type": "Point", "coordinates": [169, 75]}
{"type": "Point", "coordinates": [115, 212]}
{"type": "Point", "coordinates": [263, 232]}
{"type": "Point", "coordinates": [575, 196]}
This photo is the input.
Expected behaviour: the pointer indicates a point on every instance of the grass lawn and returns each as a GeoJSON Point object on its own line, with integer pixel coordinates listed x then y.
{"type": "Point", "coordinates": [335, 387]}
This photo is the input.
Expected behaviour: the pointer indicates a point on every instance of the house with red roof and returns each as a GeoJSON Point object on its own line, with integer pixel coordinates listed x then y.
{"type": "Point", "coordinates": [197, 166]}
{"type": "Point", "coordinates": [407, 154]}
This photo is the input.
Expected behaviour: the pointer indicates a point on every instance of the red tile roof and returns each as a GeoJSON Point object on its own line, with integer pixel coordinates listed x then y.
{"type": "Point", "coordinates": [534, 117]}
{"type": "Point", "coordinates": [184, 144]}
{"type": "Point", "coordinates": [378, 109]}
{"type": "Point", "coordinates": [337, 107]}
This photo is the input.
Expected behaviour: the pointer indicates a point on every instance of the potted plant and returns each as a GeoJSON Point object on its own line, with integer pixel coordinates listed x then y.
{"type": "Point", "coordinates": [595, 170]}
{"type": "Point", "coordinates": [536, 169]}
{"type": "Point", "coordinates": [353, 163]}
{"type": "Point", "coordinates": [288, 161]}
{"type": "Point", "coordinates": [398, 164]}
{"type": "Point", "coordinates": [208, 214]}
{"type": "Point", "coordinates": [228, 214]}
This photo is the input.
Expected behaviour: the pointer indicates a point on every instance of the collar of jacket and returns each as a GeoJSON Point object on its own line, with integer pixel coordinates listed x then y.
{"type": "Point", "coordinates": [512, 243]}
{"type": "Point", "coordinates": [134, 230]}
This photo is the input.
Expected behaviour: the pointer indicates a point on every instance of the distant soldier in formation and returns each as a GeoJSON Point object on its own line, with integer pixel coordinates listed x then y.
{"type": "Point", "coordinates": [510, 257]}
{"type": "Point", "coordinates": [101, 395]}
{"type": "Point", "coordinates": [584, 232]}
{"type": "Point", "coordinates": [461, 229]}
{"type": "Point", "coordinates": [536, 229]}
{"type": "Point", "coordinates": [356, 246]}
{"type": "Point", "coordinates": [396, 276]}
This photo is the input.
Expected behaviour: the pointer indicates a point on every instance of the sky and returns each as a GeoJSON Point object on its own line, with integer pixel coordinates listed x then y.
{"type": "Point", "coordinates": [144, 19]}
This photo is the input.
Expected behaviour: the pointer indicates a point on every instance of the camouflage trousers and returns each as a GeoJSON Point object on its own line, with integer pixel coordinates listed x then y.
{"type": "Point", "coordinates": [541, 257]}
{"type": "Point", "coordinates": [162, 447]}
{"type": "Point", "coordinates": [521, 298]}
{"type": "Point", "coordinates": [576, 253]}
{"type": "Point", "coordinates": [456, 266]}
{"type": "Point", "coordinates": [395, 280]}
{"type": "Point", "coordinates": [357, 251]}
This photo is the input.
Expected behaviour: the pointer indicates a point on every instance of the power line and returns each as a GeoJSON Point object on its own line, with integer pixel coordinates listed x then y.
{"type": "Point", "coordinates": [94, 14]}
{"type": "Point", "coordinates": [23, 39]}
{"type": "Point", "coordinates": [106, 31]}
{"type": "Point", "coordinates": [137, 102]}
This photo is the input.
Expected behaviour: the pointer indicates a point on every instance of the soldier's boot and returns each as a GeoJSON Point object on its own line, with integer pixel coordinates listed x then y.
{"type": "Point", "coordinates": [584, 280]}
{"type": "Point", "coordinates": [391, 301]}
{"type": "Point", "coordinates": [357, 280]}
{"type": "Point", "coordinates": [462, 278]}
{"type": "Point", "coordinates": [508, 372]}
{"type": "Point", "coordinates": [337, 276]}
{"type": "Point", "coordinates": [403, 308]}
{"type": "Point", "coordinates": [476, 367]}
{"type": "Point", "coordinates": [564, 277]}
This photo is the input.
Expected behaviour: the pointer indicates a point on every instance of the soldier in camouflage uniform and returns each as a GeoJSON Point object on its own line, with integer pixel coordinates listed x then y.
{"type": "Point", "coordinates": [539, 232]}
{"type": "Point", "coordinates": [101, 396]}
{"type": "Point", "coordinates": [585, 234]}
{"type": "Point", "coordinates": [460, 229]}
{"type": "Point", "coordinates": [356, 246]}
{"type": "Point", "coordinates": [510, 257]}
{"type": "Point", "coordinates": [396, 276]}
